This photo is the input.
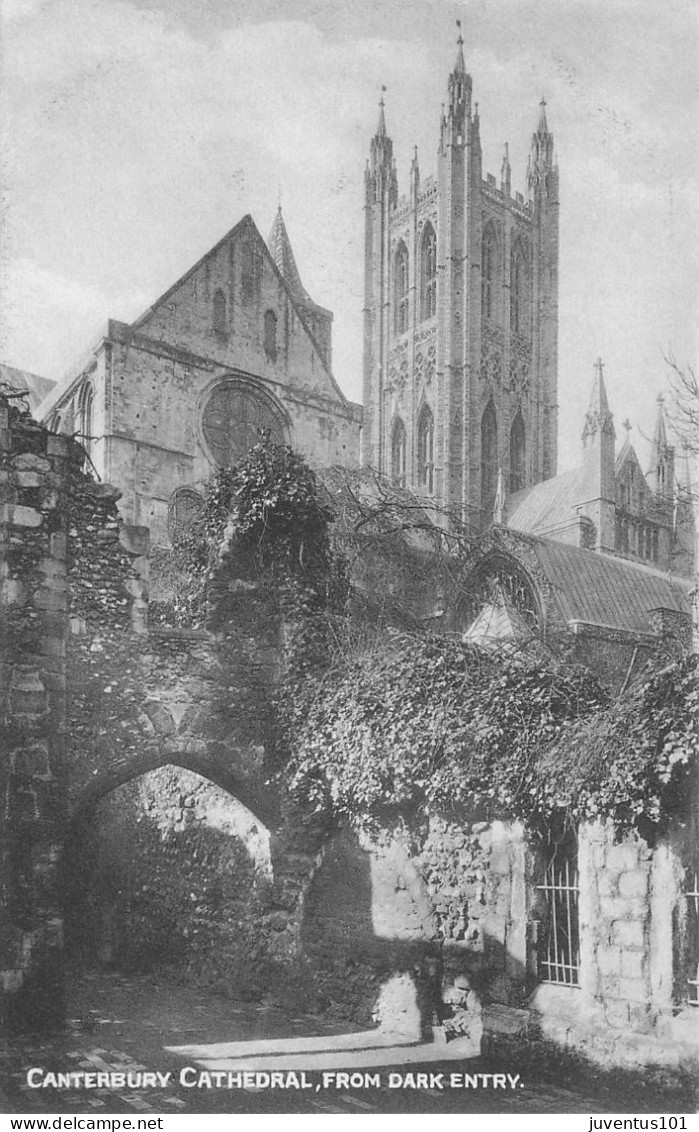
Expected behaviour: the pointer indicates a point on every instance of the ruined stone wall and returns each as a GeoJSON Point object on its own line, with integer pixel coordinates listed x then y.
{"type": "Point", "coordinates": [36, 469]}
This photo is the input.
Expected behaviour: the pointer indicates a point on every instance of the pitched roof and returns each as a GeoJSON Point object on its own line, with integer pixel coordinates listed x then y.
{"type": "Point", "coordinates": [32, 384]}
{"type": "Point", "coordinates": [599, 589]}
{"type": "Point", "coordinates": [548, 504]}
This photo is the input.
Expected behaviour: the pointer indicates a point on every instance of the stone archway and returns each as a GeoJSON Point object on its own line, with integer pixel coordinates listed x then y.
{"type": "Point", "coordinates": [166, 871]}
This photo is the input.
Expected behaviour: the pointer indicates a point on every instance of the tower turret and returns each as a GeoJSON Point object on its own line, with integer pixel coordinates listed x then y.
{"type": "Point", "coordinates": [598, 439]}
{"type": "Point", "coordinates": [381, 195]}
{"type": "Point", "coordinates": [661, 468]}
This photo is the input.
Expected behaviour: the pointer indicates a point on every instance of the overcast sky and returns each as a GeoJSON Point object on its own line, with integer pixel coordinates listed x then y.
{"type": "Point", "coordinates": [137, 132]}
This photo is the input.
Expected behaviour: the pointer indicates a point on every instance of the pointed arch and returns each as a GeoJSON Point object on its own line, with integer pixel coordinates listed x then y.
{"type": "Point", "coordinates": [271, 335]}
{"type": "Point", "coordinates": [489, 456]}
{"type": "Point", "coordinates": [400, 289]}
{"type": "Point", "coordinates": [220, 323]}
{"type": "Point", "coordinates": [425, 449]}
{"type": "Point", "coordinates": [85, 417]}
{"type": "Point", "coordinates": [428, 273]}
{"type": "Point", "coordinates": [489, 260]}
{"type": "Point", "coordinates": [518, 454]}
{"type": "Point", "coordinates": [398, 452]}
{"type": "Point", "coordinates": [520, 287]}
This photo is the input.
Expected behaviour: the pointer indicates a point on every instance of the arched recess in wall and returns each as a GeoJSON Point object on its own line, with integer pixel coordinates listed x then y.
{"type": "Point", "coordinates": [271, 335]}
{"type": "Point", "coordinates": [518, 455]}
{"type": "Point", "coordinates": [85, 418]}
{"type": "Point", "coordinates": [501, 573]}
{"type": "Point", "coordinates": [489, 259]}
{"type": "Point", "coordinates": [428, 273]}
{"type": "Point", "coordinates": [489, 456]}
{"type": "Point", "coordinates": [184, 507]}
{"type": "Point", "coordinates": [400, 289]}
{"type": "Point", "coordinates": [520, 288]}
{"type": "Point", "coordinates": [220, 319]}
{"type": "Point", "coordinates": [398, 452]}
{"type": "Point", "coordinates": [425, 449]}
{"type": "Point", "coordinates": [234, 415]}
{"type": "Point", "coordinates": [133, 859]}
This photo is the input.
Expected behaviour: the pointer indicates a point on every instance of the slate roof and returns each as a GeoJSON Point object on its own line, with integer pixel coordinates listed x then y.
{"type": "Point", "coordinates": [548, 504]}
{"type": "Point", "coordinates": [18, 379]}
{"type": "Point", "coordinates": [599, 589]}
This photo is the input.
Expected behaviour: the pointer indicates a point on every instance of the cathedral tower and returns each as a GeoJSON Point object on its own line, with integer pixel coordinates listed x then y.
{"type": "Point", "coordinates": [461, 316]}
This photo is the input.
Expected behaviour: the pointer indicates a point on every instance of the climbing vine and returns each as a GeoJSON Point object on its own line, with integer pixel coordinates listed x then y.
{"type": "Point", "coordinates": [433, 725]}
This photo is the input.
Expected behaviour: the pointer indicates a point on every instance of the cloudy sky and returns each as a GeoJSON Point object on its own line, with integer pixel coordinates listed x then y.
{"type": "Point", "coordinates": [137, 132]}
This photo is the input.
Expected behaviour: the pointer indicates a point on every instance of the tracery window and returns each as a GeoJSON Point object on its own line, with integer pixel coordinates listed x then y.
{"type": "Point", "coordinates": [398, 453]}
{"type": "Point", "coordinates": [400, 290]}
{"type": "Point", "coordinates": [235, 417]}
{"type": "Point", "coordinates": [425, 449]}
{"type": "Point", "coordinates": [500, 575]}
{"type": "Point", "coordinates": [518, 455]}
{"type": "Point", "coordinates": [489, 456]}
{"type": "Point", "coordinates": [84, 422]}
{"type": "Point", "coordinates": [428, 273]}
{"type": "Point", "coordinates": [220, 325]}
{"type": "Point", "coordinates": [519, 290]}
{"type": "Point", "coordinates": [489, 251]}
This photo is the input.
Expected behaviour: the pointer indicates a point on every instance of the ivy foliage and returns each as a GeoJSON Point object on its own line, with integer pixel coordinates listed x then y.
{"type": "Point", "coordinates": [377, 724]}
{"type": "Point", "coordinates": [429, 724]}
{"type": "Point", "coordinates": [267, 512]}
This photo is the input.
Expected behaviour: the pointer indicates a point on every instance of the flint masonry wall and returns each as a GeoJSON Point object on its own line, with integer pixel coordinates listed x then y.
{"type": "Point", "coordinates": [36, 469]}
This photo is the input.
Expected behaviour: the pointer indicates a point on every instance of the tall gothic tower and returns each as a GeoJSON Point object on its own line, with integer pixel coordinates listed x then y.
{"type": "Point", "coordinates": [461, 317]}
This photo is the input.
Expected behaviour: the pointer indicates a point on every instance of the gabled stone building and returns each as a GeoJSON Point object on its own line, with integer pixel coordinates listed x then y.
{"type": "Point", "coordinates": [234, 346]}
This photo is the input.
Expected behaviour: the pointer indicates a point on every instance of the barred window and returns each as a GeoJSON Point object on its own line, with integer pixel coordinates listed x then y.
{"type": "Point", "coordinates": [559, 940]}
{"type": "Point", "coordinates": [691, 933]}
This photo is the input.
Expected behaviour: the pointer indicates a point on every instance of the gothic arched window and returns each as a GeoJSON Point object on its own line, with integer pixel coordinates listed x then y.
{"type": "Point", "coordinates": [428, 273]}
{"type": "Point", "coordinates": [518, 455]}
{"type": "Point", "coordinates": [519, 290]}
{"type": "Point", "coordinates": [84, 422]}
{"type": "Point", "coordinates": [489, 253]}
{"type": "Point", "coordinates": [220, 325]}
{"type": "Point", "coordinates": [271, 335]}
{"type": "Point", "coordinates": [398, 453]}
{"type": "Point", "coordinates": [489, 456]}
{"type": "Point", "coordinates": [400, 289]}
{"type": "Point", "coordinates": [425, 449]}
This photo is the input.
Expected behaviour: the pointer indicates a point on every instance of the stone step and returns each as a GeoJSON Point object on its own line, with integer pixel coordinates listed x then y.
{"type": "Point", "coordinates": [326, 1053]}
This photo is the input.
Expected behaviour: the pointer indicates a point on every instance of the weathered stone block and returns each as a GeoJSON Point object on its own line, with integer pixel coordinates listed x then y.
{"type": "Point", "coordinates": [609, 960]}
{"type": "Point", "coordinates": [634, 883]}
{"type": "Point", "coordinates": [628, 933]}
{"type": "Point", "coordinates": [632, 964]}
{"type": "Point", "coordinates": [633, 990]}
{"type": "Point", "coordinates": [26, 516]}
{"type": "Point", "coordinates": [29, 479]}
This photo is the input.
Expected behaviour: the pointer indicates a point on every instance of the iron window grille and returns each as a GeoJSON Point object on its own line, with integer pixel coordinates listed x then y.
{"type": "Point", "coordinates": [559, 954]}
{"type": "Point", "coordinates": [692, 897]}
